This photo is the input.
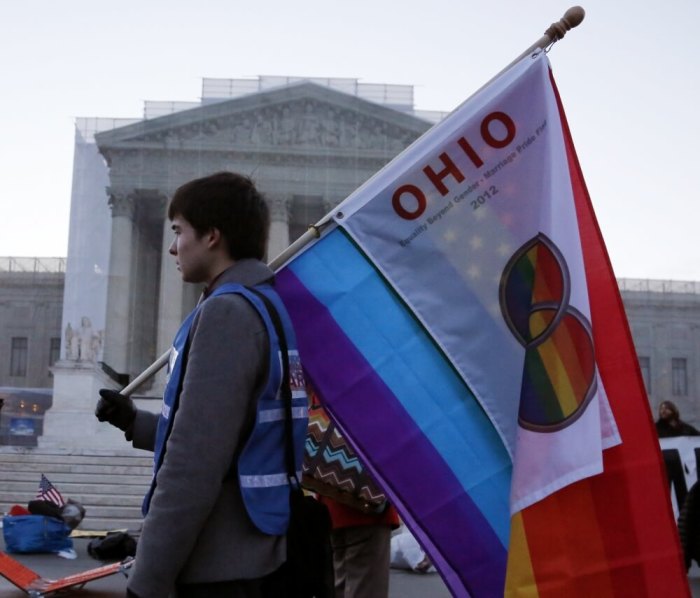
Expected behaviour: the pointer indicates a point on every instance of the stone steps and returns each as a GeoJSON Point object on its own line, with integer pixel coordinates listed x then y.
{"type": "Point", "coordinates": [109, 484]}
{"type": "Point", "coordinates": [94, 473]}
{"type": "Point", "coordinates": [95, 496]}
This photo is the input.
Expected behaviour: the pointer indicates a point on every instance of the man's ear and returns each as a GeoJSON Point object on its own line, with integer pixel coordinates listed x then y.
{"type": "Point", "coordinates": [214, 238]}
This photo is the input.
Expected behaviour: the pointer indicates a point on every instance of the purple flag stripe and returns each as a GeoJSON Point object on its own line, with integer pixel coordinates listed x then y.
{"type": "Point", "coordinates": [474, 560]}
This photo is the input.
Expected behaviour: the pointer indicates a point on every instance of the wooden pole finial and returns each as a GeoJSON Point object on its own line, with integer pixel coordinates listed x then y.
{"type": "Point", "coordinates": [572, 18]}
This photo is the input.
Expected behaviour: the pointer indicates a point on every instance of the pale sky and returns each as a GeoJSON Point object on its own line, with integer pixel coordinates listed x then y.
{"type": "Point", "coordinates": [628, 76]}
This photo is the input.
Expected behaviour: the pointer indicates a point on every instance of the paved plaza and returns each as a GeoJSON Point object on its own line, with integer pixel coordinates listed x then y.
{"type": "Point", "coordinates": [403, 584]}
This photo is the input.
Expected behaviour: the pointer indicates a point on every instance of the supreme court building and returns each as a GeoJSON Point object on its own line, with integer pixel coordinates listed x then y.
{"type": "Point", "coordinates": [308, 144]}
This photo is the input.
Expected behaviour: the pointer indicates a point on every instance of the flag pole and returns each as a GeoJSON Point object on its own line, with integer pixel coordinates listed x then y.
{"type": "Point", "coordinates": [148, 373]}
{"type": "Point", "coordinates": [556, 31]}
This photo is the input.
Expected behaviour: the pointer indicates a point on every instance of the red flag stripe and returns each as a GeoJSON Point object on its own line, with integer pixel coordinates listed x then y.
{"type": "Point", "coordinates": [629, 514]}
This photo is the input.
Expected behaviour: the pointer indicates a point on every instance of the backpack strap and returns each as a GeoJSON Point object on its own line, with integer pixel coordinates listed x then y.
{"type": "Point", "coordinates": [285, 388]}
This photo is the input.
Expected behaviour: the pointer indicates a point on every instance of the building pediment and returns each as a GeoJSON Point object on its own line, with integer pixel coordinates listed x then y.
{"type": "Point", "coordinates": [299, 118]}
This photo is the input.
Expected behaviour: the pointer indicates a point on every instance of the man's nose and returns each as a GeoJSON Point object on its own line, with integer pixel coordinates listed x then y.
{"type": "Point", "coordinates": [173, 247]}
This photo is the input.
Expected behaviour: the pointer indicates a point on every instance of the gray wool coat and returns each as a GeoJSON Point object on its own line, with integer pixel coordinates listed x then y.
{"type": "Point", "coordinates": [197, 529]}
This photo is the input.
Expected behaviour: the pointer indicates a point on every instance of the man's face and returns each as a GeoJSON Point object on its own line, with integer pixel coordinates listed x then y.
{"type": "Point", "coordinates": [190, 250]}
{"type": "Point", "coordinates": [665, 412]}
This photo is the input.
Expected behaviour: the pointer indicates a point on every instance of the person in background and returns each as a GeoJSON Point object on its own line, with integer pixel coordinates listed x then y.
{"type": "Point", "coordinates": [218, 507]}
{"type": "Point", "coordinates": [361, 549]}
{"type": "Point", "coordinates": [407, 553]}
{"type": "Point", "coordinates": [689, 526]}
{"type": "Point", "coordinates": [670, 423]}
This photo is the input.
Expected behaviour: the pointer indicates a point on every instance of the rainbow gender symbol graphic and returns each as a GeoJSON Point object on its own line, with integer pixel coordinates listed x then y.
{"type": "Point", "coordinates": [559, 373]}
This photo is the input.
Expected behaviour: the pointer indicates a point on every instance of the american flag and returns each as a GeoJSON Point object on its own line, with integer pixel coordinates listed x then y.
{"type": "Point", "coordinates": [48, 492]}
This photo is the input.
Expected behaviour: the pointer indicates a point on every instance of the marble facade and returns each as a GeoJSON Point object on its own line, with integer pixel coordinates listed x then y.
{"type": "Point", "coordinates": [307, 146]}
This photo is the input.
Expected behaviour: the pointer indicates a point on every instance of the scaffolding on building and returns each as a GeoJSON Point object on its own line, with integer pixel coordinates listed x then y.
{"type": "Point", "coordinates": [34, 265]}
{"type": "Point", "coordinates": [398, 97]}
{"type": "Point", "coordinates": [86, 127]}
{"type": "Point", "coordinates": [645, 285]}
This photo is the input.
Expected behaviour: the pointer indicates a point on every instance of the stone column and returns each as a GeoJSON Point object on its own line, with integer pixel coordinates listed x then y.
{"type": "Point", "coordinates": [169, 303]}
{"type": "Point", "coordinates": [660, 357]}
{"type": "Point", "coordinates": [119, 285]}
{"type": "Point", "coordinates": [279, 227]}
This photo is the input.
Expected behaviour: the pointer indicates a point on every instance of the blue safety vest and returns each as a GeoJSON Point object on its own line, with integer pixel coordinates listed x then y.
{"type": "Point", "coordinates": [262, 470]}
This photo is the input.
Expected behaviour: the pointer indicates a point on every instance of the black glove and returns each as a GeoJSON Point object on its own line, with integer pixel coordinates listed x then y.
{"type": "Point", "coordinates": [116, 409]}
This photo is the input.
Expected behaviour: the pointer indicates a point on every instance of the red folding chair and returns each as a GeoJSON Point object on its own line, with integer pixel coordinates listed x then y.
{"type": "Point", "coordinates": [38, 587]}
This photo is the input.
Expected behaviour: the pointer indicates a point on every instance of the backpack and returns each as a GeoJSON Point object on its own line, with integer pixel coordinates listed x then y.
{"type": "Point", "coordinates": [115, 546]}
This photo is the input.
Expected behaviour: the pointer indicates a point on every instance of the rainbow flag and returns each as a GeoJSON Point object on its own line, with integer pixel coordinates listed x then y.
{"type": "Point", "coordinates": [462, 325]}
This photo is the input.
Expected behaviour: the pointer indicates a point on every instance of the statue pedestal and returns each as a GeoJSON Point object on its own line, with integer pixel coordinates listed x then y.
{"type": "Point", "coordinates": [71, 423]}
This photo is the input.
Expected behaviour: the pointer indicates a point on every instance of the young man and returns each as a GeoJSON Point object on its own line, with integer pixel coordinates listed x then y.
{"type": "Point", "coordinates": [217, 510]}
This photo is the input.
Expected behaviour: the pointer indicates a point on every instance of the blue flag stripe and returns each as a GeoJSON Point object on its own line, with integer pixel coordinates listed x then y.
{"type": "Point", "coordinates": [405, 358]}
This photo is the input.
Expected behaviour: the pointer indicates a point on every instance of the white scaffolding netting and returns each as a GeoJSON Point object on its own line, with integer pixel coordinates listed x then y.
{"type": "Point", "coordinates": [33, 264]}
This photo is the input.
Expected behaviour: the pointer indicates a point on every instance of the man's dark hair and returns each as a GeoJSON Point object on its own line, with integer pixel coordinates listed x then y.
{"type": "Point", "coordinates": [672, 407]}
{"type": "Point", "coordinates": [230, 202]}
